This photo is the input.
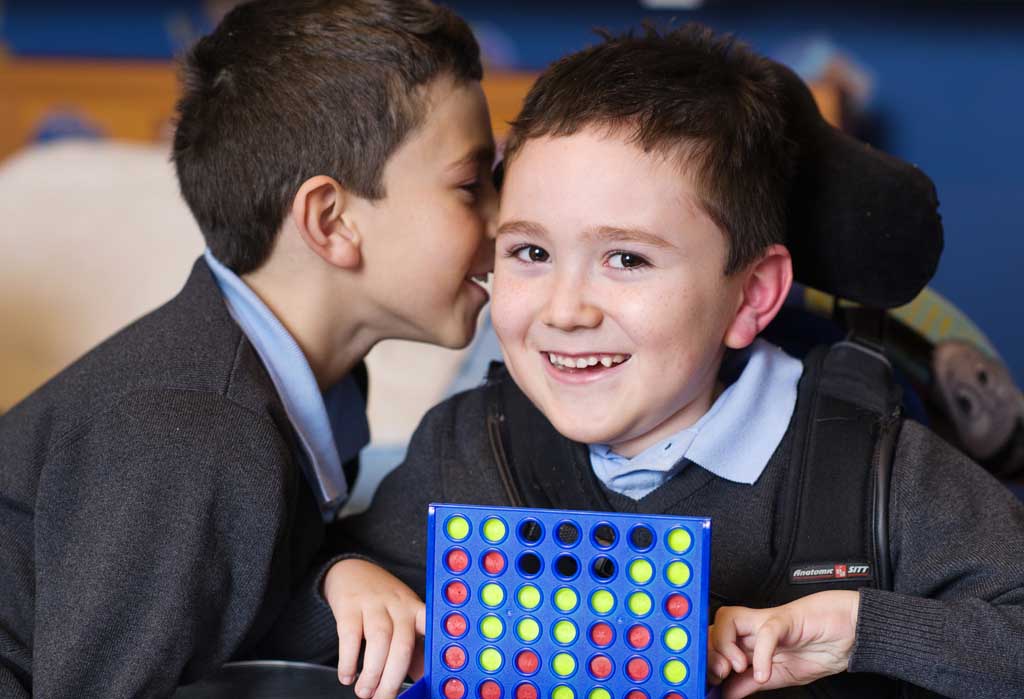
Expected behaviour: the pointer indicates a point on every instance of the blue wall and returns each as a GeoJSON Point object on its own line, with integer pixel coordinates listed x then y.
{"type": "Point", "coordinates": [949, 96]}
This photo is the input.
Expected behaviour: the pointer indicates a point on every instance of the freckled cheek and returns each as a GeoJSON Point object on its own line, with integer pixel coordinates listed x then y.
{"type": "Point", "coordinates": [672, 325]}
{"type": "Point", "coordinates": [648, 318]}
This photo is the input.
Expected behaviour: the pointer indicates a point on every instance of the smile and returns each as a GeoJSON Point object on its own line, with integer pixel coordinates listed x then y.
{"type": "Point", "coordinates": [577, 362]}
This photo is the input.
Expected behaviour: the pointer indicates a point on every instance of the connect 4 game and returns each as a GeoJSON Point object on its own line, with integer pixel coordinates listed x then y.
{"type": "Point", "coordinates": [558, 604]}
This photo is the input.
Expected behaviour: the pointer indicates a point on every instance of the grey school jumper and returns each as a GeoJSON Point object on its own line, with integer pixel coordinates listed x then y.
{"type": "Point", "coordinates": [954, 625]}
{"type": "Point", "coordinates": [154, 522]}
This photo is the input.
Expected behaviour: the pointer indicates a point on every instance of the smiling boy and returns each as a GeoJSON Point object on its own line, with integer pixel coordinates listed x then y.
{"type": "Point", "coordinates": [168, 500]}
{"type": "Point", "coordinates": [640, 251]}
{"type": "Point", "coordinates": [606, 302]}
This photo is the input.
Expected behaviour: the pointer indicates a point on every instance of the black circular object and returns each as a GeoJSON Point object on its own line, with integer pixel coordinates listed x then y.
{"type": "Point", "coordinates": [530, 531]}
{"type": "Point", "coordinates": [529, 564]}
{"type": "Point", "coordinates": [603, 568]}
{"type": "Point", "coordinates": [641, 538]}
{"type": "Point", "coordinates": [605, 536]}
{"type": "Point", "coordinates": [567, 566]}
{"type": "Point", "coordinates": [568, 533]}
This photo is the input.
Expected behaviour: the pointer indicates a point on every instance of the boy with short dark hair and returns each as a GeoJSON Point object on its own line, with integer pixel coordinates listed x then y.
{"type": "Point", "coordinates": [639, 254]}
{"type": "Point", "coordinates": [169, 499]}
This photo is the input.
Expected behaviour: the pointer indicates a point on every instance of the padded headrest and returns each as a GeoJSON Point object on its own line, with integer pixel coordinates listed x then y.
{"type": "Point", "coordinates": [862, 225]}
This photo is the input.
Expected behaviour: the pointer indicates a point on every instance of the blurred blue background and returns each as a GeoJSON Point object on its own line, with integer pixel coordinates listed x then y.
{"type": "Point", "coordinates": [945, 90]}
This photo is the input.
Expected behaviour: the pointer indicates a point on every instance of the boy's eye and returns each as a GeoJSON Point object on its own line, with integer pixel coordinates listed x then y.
{"type": "Point", "coordinates": [626, 260]}
{"type": "Point", "coordinates": [531, 253]}
{"type": "Point", "coordinates": [471, 187]}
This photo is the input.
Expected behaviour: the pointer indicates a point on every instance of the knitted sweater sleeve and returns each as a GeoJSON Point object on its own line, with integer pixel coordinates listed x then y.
{"type": "Point", "coordinates": [156, 526]}
{"type": "Point", "coordinates": [392, 532]}
{"type": "Point", "coordinates": [955, 622]}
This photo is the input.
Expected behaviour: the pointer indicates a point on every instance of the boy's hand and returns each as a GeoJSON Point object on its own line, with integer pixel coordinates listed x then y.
{"type": "Point", "coordinates": [368, 601]}
{"type": "Point", "coordinates": [794, 644]}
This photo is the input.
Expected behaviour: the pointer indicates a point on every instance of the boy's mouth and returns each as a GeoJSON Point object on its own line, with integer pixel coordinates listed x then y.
{"type": "Point", "coordinates": [585, 362]}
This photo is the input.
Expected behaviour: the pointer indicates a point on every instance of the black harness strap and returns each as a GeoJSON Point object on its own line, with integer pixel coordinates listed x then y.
{"type": "Point", "coordinates": [833, 516]}
{"type": "Point", "coordinates": [834, 511]}
{"type": "Point", "coordinates": [885, 450]}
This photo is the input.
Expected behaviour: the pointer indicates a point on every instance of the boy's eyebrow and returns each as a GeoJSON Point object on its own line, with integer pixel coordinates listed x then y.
{"type": "Point", "coordinates": [528, 228]}
{"type": "Point", "coordinates": [607, 234]}
{"type": "Point", "coordinates": [479, 155]}
{"type": "Point", "coordinates": [616, 234]}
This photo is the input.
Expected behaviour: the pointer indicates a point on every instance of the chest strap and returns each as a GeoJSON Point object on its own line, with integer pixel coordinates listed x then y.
{"type": "Point", "coordinates": [833, 511]}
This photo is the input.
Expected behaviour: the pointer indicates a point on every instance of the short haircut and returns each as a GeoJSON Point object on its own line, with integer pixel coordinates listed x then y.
{"type": "Point", "coordinates": [707, 100]}
{"type": "Point", "coordinates": [284, 90]}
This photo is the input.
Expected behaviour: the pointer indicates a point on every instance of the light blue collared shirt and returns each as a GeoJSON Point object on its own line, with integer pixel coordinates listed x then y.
{"type": "Point", "coordinates": [733, 440]}
{"type": "Point", "coordinates": [332, 426]}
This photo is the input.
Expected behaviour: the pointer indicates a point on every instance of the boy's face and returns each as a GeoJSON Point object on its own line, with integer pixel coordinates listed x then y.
{"type": "Point", "coordinates": [604, 259]}
{"type": "Point", "coordinates": [432, 232]}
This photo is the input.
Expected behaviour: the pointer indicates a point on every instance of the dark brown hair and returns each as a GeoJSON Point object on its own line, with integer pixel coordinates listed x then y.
{"type": "Point", "coordinates": [284, 90]}
{"type": "Point", "coordinates": [688, 93]}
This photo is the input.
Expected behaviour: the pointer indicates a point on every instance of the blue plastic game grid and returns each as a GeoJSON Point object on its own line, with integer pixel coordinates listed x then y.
{"type": "Point", "coordinates": [557, 604]}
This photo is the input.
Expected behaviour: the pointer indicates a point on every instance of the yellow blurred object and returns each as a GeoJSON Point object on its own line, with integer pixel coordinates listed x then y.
{"type": "Point", "coordinates": [931, 315]}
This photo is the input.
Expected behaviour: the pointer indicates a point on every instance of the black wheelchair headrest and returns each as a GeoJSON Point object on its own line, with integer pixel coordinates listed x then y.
{"type": "Point", "coordinates": [862, 225]}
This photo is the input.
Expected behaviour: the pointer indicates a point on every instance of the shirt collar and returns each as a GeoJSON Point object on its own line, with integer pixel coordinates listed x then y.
{"type": "Point", "coordinates": [331, 427]}
{"type": "Point", "coordinates": [735, 439]}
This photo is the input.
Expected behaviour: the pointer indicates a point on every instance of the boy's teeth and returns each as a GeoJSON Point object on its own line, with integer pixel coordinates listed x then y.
{"type": "Point", "coordinates": [605, 360]}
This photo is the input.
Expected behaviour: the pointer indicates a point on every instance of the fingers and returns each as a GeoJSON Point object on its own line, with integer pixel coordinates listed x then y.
{"type": "Point", "coordinates": [718, 667]}
{"type": "Point", "coordinates": [350, 637]}
{"type": "Point", "coordinates": [416, 666]}
{"type": "Point", "coordinates": [766, 642]}
{"type": "Point", "coordinates": [403, 642]}
{"type": "Point", "coordinates": [740, 686]}
{"type": "Point", "coordinates": [369, 603]}
{"type": "Point", "coordinates": [378, 629]}
{"type": "Point", "coordinates": [723, 638]}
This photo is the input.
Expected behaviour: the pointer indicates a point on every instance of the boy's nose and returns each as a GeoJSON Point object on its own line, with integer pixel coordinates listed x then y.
{"type": "Point", "coordinates": [568, 307]}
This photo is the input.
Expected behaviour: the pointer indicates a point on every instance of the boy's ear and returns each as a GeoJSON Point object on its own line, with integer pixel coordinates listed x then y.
{"type": "Point", "coordinates": [766, 284]}
{"type": "Point", "coordinates": [319, 214]}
